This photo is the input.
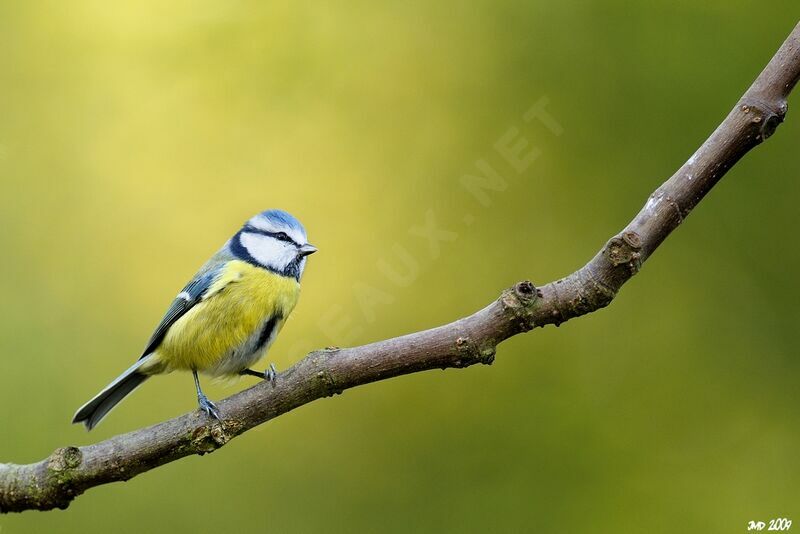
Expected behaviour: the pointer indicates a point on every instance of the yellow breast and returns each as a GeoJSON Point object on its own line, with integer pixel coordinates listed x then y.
{"type": "Point", "coordinates": [234, 308]}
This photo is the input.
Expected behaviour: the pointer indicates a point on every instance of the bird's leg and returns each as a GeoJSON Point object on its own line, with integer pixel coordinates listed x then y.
{"type": "Point", "coordinates": [270, 374]}
{"type": "Point", "coordinates": [205, 404]}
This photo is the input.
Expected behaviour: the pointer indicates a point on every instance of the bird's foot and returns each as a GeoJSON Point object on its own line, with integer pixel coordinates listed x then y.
{"type": "Point", "coordinates": [270, 374]}
{"type": "Point", "coordinates": [209, 407]}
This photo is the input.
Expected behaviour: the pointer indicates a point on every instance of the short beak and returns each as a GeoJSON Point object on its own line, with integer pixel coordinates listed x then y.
{"type": "Point", "coordinates": [307, 249]}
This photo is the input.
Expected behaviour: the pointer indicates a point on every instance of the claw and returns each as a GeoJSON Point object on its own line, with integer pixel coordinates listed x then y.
{"type": "Point", "coordinates": [209, 407]}
{"type": "Point", "coordinates": [270, 374]}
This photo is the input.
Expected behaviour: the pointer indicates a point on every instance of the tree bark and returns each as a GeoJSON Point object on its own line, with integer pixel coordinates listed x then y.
{"type": "Point", "coordinates": [55, 481]}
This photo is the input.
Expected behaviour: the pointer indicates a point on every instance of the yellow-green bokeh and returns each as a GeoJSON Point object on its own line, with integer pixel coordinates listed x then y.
{"type": "Point", "coordinates": [136, 136]}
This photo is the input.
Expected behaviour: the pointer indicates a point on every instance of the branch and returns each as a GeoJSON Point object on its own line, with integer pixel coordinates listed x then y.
{"type": "Point", "coordinates": [69, 471]}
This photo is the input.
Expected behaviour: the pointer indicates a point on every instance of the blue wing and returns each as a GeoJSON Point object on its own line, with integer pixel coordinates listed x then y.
{"type": "Point", "coordinates": [185, 301]}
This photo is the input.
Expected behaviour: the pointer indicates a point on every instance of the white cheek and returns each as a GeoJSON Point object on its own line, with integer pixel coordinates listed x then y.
{"type": "Point", "coordinates": [268, 251]}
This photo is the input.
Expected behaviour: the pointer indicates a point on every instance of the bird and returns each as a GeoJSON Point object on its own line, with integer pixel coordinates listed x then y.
{"type": "Point", "coordinates": [225, 319]}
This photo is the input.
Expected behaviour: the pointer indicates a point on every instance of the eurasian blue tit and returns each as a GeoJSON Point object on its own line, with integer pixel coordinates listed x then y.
{"type": "Point", "coordinates": [226, 317]}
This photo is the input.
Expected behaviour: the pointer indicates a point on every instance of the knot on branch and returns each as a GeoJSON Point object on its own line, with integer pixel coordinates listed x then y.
{"type": "Point", "coordinates": [61, 486]}
{"type": "Point", "coordinates": [208, 438]}
{"type": "Point", "coordinates": [527, 292]}
{"type": "Point", "coordinates": [520, 300]}
{"type": "Point", "coordinates": [595, 285]}
{"type": "Point", "coordinates": [323, 377]}
{"type": "Point", "coordinates": [469, 353]}
{"type": "Point", "coordinates": [625, 250]}
{"type": "Point", "coordinates": [763, 116]}
{"type": "Point", "coordinates": [64, 458]}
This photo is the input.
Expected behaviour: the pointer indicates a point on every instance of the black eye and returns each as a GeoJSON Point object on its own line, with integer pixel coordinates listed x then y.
{"type": "Point", "coordinates": [280, 236]}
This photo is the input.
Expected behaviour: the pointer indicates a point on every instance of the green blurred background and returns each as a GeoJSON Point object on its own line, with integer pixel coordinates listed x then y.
{"type": "Point", "coordinates": [136, 136]}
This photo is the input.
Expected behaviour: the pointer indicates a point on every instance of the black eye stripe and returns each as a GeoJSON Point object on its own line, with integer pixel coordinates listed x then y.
{"type": "Point", "coordinates": [280, 236]}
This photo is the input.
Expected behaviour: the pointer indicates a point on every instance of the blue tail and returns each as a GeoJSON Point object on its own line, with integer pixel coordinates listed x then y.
{"type": "Point", "coordinates": [93, 411]}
